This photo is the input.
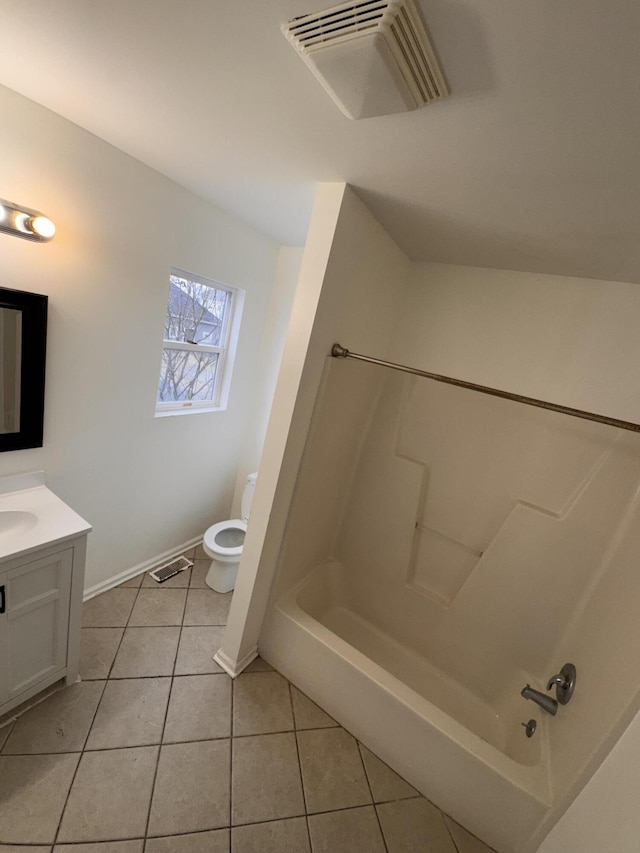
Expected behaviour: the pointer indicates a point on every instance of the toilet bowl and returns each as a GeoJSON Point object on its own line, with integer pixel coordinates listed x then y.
{"type": "Point", "coordinates": [224, 541]}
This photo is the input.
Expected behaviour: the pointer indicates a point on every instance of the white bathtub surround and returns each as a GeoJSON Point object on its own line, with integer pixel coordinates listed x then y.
{"type": "Point", "coordinates": [490, 780]}
{"type": "Point", "coordinates": [544, 503]}
{"type": "Point", "coordinates": [480, 565]}
{"type": "Point", "coordinates": [475, 526]}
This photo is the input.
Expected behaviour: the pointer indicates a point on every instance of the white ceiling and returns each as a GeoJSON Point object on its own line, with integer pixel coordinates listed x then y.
{"type": "Point", "coordinates": [533, 163]}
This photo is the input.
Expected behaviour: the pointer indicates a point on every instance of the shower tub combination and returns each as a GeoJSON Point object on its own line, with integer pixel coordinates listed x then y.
{"type": "Point", "coordinates": [469, 758]}
{"type": "Point", "coordinates": [437, 545]}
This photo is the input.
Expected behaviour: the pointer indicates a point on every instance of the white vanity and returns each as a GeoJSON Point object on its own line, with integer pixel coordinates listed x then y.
{"type": "Point", "coordinates": [42, 555]}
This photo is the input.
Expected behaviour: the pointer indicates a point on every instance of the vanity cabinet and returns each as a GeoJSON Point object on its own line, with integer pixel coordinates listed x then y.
{"type": "Point", "coordinates": [41, 602]}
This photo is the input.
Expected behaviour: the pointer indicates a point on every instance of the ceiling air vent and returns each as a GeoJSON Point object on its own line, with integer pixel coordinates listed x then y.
{"type": "Point", "coordinates": [373, 57]}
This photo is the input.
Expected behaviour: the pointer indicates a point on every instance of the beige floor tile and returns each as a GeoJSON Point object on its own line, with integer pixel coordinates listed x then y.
{"type": "Point", "coordinates": [98, 647]}
{"type": "Point", "coordinates": [216, 841]}
{"type": "Point", "coordinates": [464, 841]}
{"type": "Point", "coordinates": [101, 847]}
{"type": "Point", "coordinates": [146, 652]}
{"type": "Point", "coordinates": [414, 826]}
{"type": "Point", "coordinates": [158, 607]}
{"type": "Point", "coordinates": [206, 607]}
{"type": "Point", "coordinates": [307, 714]}
{"type": "Point", "coordinates": [266, 779]}
{"type": "Point", "coordinates": [332, 770]}
{"type": "Point", "coordinates": [110, 609]}
{"type": "Point", "coordinates": [346, 831]}
{"type": "Point", "coordinates": [261, 704]}
{"type": "Point", "coordinates": [385, 783]}
{"type": "Point", "coordinates": [19, 848]}
{"type": "Point", "coordinates": [276, 836]}
{"type": "Point", "coordinates": [199, 573]}
{"type": "Point", "coordinates": [59, 724]}
{"type": "Point", "coordinates": [198, 553]}
{"type": "Point", "coordinates": [33, 790]}
{"type": "Point", "coordinates": [197, 648]}
{"type": "Point", "coordinates": [25, 706]}
{"type": "Point", "coordinates": [192, 788]}
{"type": "Point", "coordinates": [179, 581]}
{"type": "Point", "coordinates": [259, 665]}
{"type": "Point", "coordinates": [133, 582]}
{"type": "Point", "coordinates": [5, 731]}
{"type": "Point", "coordinates": [109, 798]}
{"type": "Point", "coordinates": [131, 713]}
{"type": "Point", "coordinates": [200, 708]}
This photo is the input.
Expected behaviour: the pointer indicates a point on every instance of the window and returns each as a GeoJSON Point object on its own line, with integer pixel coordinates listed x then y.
{"type": "Point", "coordinates": [200, 333]}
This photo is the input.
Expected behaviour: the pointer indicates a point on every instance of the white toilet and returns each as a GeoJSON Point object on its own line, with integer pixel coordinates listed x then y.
{"type": "Point", "coordinates": [223, 542]}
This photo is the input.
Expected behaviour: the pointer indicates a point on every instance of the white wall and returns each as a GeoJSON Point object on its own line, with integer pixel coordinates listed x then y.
{"type": "Point", "coordinates": [146, 484]}
{"type": "Point", "coordinates": [351, 276]}
{"type": "Point", "coordinates": [569, 340]}
{"type": "Point", "coordinates": [268, 363]}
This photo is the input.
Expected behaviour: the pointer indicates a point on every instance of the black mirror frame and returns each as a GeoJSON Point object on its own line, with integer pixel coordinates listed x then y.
{"type": "Point", "coordinates": [32, 362]}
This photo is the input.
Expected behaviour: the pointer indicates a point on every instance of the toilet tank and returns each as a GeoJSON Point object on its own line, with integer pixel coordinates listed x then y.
{"type": "Point", "coordinates": [247, 496]}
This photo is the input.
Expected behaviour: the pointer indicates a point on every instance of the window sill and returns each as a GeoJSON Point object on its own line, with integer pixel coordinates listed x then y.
{"type": "Point", "coordinates": [188, 410]}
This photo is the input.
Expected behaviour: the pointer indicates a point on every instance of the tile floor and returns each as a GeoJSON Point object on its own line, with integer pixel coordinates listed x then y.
{"type": "Point", "coordinates": [156, 750]}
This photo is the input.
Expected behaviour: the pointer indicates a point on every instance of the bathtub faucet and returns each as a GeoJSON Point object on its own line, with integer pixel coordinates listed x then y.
{"type": "Point", "coordinates": [546, 702]}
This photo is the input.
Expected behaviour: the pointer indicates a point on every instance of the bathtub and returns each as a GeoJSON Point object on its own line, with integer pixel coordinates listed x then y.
{"type": "Point", "coordinates": [468, 757]}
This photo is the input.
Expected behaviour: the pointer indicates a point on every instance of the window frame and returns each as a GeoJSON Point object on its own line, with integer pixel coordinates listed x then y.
{"type": "Point", "coordinates": [226, 350]}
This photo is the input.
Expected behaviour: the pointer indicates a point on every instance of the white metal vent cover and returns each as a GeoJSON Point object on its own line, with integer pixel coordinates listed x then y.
{"type": "Point", "coordinates": [373, 57]}
{"type": "Point", "coordinates": [168, 570]}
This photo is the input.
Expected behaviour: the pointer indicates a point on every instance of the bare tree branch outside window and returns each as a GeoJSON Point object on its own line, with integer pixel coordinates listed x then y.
{"type": "Point", "coordinates": [196, 316]}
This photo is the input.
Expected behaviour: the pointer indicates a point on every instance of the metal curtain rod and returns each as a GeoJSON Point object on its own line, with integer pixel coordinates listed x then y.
{"type": "Point", "coordinates": [338, 351]}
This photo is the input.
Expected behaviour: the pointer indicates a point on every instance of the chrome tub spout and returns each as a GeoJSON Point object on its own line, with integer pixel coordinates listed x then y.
{"type": "Point", "coordinates": [545, 702]}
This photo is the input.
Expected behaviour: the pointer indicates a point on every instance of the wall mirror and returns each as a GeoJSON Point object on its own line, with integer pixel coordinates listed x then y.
{"type": "Point", "coordinates": [23, 336]}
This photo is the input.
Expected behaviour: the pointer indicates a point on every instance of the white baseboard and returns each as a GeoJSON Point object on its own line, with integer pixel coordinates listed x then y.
{"type": "Point", "coordinates": [231, 666]}
{"type": "Point", "coordinates": [134, 571]}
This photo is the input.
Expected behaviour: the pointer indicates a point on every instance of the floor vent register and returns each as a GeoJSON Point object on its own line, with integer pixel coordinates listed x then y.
{"type": "Point", "coordinates": [168, 570]}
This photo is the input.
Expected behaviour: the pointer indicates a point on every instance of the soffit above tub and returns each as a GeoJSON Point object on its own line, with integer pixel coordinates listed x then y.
{"type": "Point", "coordinates": [532, 163]}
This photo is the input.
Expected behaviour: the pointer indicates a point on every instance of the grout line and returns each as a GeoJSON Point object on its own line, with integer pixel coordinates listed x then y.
{"type": "Point", "coordinates": [295, 734]}
{"type": "Point", "coordinates": [164, 725]}
{"type": "Point", "coordinates": [373, 799]}
{"type": "Point", "coordinates": [231, 739]}
{"type": "Point", "coordinates": [93, 719]}
{"type": "Point", "coordinates": [133, 604]}
{"type": "Point", "coordinates": [455, 844]}
{"type": "Point", "coordinates": [124, 631]}
{"type": "Point", "coordinates": [204, 740]}
{"type": "Point", "coordinates": [448, 828]}
{"type": "Point", "coordinates": [231, 753]}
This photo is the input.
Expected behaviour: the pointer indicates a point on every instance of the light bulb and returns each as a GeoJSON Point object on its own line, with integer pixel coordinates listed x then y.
{"type": "Point", "coordinates": [43, 227]}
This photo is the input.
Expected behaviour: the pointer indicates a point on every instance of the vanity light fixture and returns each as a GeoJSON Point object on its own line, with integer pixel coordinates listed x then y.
{"type": "Point", "coordinates": [26, 223]}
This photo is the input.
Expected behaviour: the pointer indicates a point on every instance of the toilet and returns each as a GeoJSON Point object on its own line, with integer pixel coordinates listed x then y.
{"type": "Point", "coordinates": [223, 542]}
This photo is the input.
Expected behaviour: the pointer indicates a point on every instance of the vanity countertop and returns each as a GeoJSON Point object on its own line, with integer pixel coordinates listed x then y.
{"type": "Point", "coordinates": [31, 516]}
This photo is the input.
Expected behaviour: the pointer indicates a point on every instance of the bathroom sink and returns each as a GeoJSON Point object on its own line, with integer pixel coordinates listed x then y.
{"type": "Point", "coordinates": [14, 522]}
{"type": "Point", "coordinates": [31, 516]}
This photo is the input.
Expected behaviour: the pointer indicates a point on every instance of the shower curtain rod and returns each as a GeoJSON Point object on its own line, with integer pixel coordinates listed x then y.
{"type": "Point", "coordinates": [338, 351]}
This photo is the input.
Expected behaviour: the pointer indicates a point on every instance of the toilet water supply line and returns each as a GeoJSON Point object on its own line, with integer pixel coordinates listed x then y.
{"type": "Point", "coordinates": [338, 351]}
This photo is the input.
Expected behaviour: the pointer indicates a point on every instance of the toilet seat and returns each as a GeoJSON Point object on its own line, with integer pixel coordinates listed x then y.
{"type": "Point", "coordinates": [214, 548]}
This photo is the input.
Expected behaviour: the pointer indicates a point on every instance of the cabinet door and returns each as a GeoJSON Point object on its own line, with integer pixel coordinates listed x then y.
{"type": "Point", "coordinates": [37, 620]}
